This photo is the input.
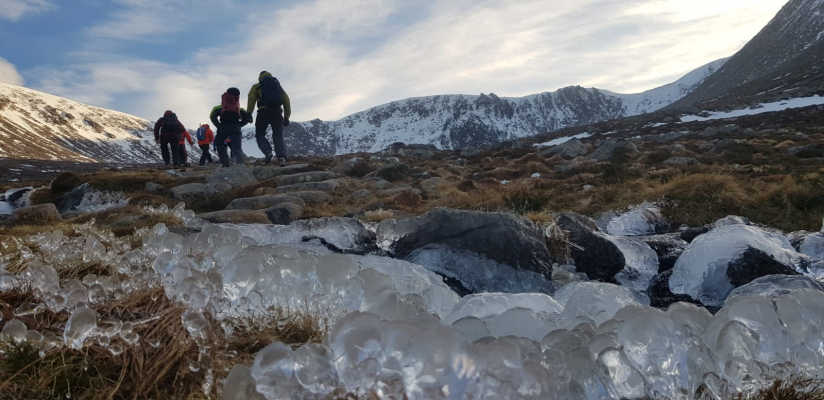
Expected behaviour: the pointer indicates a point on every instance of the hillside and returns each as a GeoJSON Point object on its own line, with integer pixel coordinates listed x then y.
{"type": "Point", "coordinates": [36, 125]}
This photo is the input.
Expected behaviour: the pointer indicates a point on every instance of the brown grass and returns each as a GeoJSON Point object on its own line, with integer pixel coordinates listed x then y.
{"type": "Point", "coordinates": [793, 389]}
{"type": "Point", "coordinates": [408, 199]}
{"type": "Point", "coordinates": [469, 186]}
{"type": "Point", "coordinates": [377, 216]}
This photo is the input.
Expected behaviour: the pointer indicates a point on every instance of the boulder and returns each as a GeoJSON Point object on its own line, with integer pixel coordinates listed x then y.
{"type": "Point", "coordinates": [505, 238]}
{"type": "Point", "coordinates": [153, 187]}
{"type": "Point", "coordinates": [570, 149]}
{"type": "Point", "coordinates": [681, 161]}
{"type": "Point", "coordinates": [263, 202]}
{"type": "Point", "coordinates": [265, 191]}
{"type": "Point", "coordinates": [432, 185]}
{"type": "Point", "coordinates": [610, 148]}
{"type": "Point", "coordinates": [422, 151]}
{"type": "Point", "coordinates": [263, 173]}
{"type": "Point", "coordinates": [362, 193]}
{"type": "Point", "coordinates": [661, 296]}
{"type": "Point", "coordinates": [17, 197]}
{"type": "Point", "coordinates": [398, 190]}
{"type": "Point", "coordinates": [799, 149]}
{"type": "Point", "coordinates": [72, 199]}
{"type": "Point", "coordinates": [394, 172]}
{"type": "Point", "coordinates": [381, 184]}
{"type": "Point", "coordinates": [330, 186]}
{"type": "Point", "coordinates": [313, 198]}
{"type": "Point", "coordinates": [346, 167]}
{"type": "Point", "coordinates": [668, 247]}
{"type": "Point", "coordinates": [724, 145]}
{"type": "Point", "coordinates": [198, 191]}
{"type": "Point", "coordinates": [41, 214]}
{"type": "Point", "coordinates": [237, 176]}
{"type": "Point", "coordinates": [773, 286]}
{"type": "Point", "coordinates": [730, 256]}
{"type": "Point", "coordinates": [236, 217]}
{"type": "Point", "coordinates": [719, 130]}
{"type": "Point", "coordinates": [284, 214]}
{"type": "Point", "coordinates": [643, 219]}
{"type": "Point", "coordinates": [303, 177]}
{"type": "Point", "coordinates": [598, 257]}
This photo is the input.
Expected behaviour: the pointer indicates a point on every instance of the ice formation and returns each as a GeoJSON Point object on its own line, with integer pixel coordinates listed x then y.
{"type": "Point", "coordinates": [644, 219]}
{"type": "Point", "coordinates": [400, 332]}
{"type": "Point", "coordinates": [94, 200]}
{"type": "Point", "coordinates": [641, 262]}
{"type": "Point", "coordinates": [701, 272]}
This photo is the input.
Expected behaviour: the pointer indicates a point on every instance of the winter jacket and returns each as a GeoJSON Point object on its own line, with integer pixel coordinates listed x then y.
{"type": "Point", "coordinates": [160, 128]}
{"type": "Point", "coordinates": [214, 116]}
{"type": "Point", "coordinates": [186, 137]}
{"type": "Point", "coordinates": [209, 137]}
{"type": "Point", "coordinates": [255, 95]}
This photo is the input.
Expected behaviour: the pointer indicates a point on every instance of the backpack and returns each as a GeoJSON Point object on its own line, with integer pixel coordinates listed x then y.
{"type": "Point", "coordinates": [271, 93]}
{"type": "Point", "coordinates": [170, 125]}
{"type": "Point", "coordinates": [229, 108]}
{"type": "Point", "coordinates": [201, 133]}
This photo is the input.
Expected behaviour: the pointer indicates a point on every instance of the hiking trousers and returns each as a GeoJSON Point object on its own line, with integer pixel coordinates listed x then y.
{"type": "Point", "coordinates": [232, 132]}
{"type": "Point", "coordinates": [184, 157]}
{"type": "Point", "coordinates": [205, 156]}
{"type": "Point", "coordinates": [169, 150]}
{"type": "Point", "coordinates": [267, 117]}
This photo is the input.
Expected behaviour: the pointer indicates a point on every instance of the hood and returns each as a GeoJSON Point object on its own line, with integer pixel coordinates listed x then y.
{"type": "Point", "coordinates": [205, 126]}
{"type": "Point", "coordinates": [264, 74]}
{"type": "Point", "coordinates": [168, 112]}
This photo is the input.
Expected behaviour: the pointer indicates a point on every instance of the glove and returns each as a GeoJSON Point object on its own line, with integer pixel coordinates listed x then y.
{"type": "Point", "coordinates": [249, 118]}
{"type": "Point", "coordinates": [286, 122]}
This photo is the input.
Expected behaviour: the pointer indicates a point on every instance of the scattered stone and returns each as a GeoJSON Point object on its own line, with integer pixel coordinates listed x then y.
{"type": "Point", "coordinates": [421, 151]}
{"type": "Point", "coordinates": [461, 162]}
{"type": "Point", "coordinates": [263, 173]}
{"type": "Point", "coordinates": [263, 202]}
{"type": "Point", "coordinates": [303, 177]}
{"type": "Point", "coordinates": [470, 152]}
{"type": "Point", "coordinates": [236, 217]}
{"type": "Point", "coordinates": [719, 130]}
{"type": "Point", "coordinates": [35, 215]}
{"type": "Point", "coordinates": [346, 167]}
{"type": "Point", "coordinates": [329, 186]}
{"type": "Point", "coordinates": [265, 191]}
{"type": "Point", "coordinates": [398, 190]}
{"type": "Point", "coordinates": [284, 214]}
{"type": "Point", "coordinates": [153, 187]}
{"type": "Point", "coordinates": [681, 161]}
{"type": "Point", "coordinates": [799, 149]}
{"type": "Point", "coordinates": [610, 147]}
{"type": "Point", "coordinates": [723, 145]}
{"type": "Point", "coordinates": [313, 198]}
{"type": "Point", "coordinates": [394, 172]}
{"type": "Point", "coordinates": [72, 200]}
{"type": "Point", "coordinates": [382, 184]}
{"type": "Point", "coordinates": [237, 176]}
{"type": "Point", "coordinates": [597, 257]}
{"type": "Point", "coordinates": [198, 191]}
{"type": "Point", "coordinates": [362, 193]}
{"type": "Point", "coordinates": [432, 185]}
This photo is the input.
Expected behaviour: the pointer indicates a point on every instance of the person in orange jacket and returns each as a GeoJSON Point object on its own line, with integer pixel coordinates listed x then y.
{"type": "Point", "coordinates": [205, 137]}
{"type": "Point", "coordinates": [184, 158]}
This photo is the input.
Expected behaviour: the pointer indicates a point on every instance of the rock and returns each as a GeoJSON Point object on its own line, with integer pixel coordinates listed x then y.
{"type": "Point", "coordinates": [705, 146]}
{"type": "Point", "coordinates": [719, 130]}
{"type": "Point", "coordinates": [773, 286]}
{"type": "Point", "coordinates": [670, 136]}
{"type": "Point", "coordinates": [394, 172]}
{"type": "Point", "coordinates": [421, 176]}
{"type": "Point", "coordinates": [570, 149]}
{"type": "Point", "coordinates": [198, 191]}
{"type": "Point", "coordinates": [284, 214]}
{"type": "Point", "coordinates": [237, 176]}
{"type": "Point", "coordinates": [153, 187]}
{"type": "Point", "coordinates": [668, 247]}
{"type": "Point", "coordinates": [313, 198]}
{"type": "Point", "coordinates": [362, 193]}
{"type": "Point", "coordinates": [398, 190]}
{"type": "Point", "coordinates": [587, 188]}
{"type": "Point", "coordinates": [704, 114]}
{"type": "Point", "coordinates": [643, 219]}
{"type": "Point", "coordinates": [72, 199]}
{"type": "Point", "coordinates": [236, 217]}
{"type": "Point", "coordinates": [422, 151]}
{"type": "Point", "coordinates": [380, 184]}
{"type": "Point", "coordinates": [263, 202]}
{"type": "Point", "coordinates": [470, 152]}
{"type": "Point", "coordinates": [681, 161]}
{"type": "Point", "coordinates": [263, 173]}
{"type": "Point", "coordinates": [689, 234]}
{"type": "Point", "coordinates": [799, 149]}
{"type": "Point", "coordinates": [610, 148]}
{"type": "Point", "coordinates": [723, 145]}
{"type": "Point", "coordinates": [730, 256]}
{"type": "Point", "coordinates": [599, 258]}
{"type": "Point", "coordinates": [461, 162]}
{"type": "Point", "coordinates": [486, 251]}
{"type": "Point", "coordinates": [432, 185]}
{"type": "Point", "coordinates": [731, 220]}
{"type": "Point", "coordinates": [661, 296]}
{"type": "Point", "coordinates": [346, 167]}
{"type": "Point", "coordinates": [303, 177]}
{"type": "Point", "coordinates": [264, 191]}
{"type": "Point", "coordinates": [41, 214]}
{"type": "Point", "coordinates": [330, 186]}
{"type": "Point", "coordinates": [17, 197]}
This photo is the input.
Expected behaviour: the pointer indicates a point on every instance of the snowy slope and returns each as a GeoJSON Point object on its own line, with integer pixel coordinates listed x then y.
{"type": "Point", "coordinates": [35, 125]}
{"type": "Point", "coordinates": [462, 121]}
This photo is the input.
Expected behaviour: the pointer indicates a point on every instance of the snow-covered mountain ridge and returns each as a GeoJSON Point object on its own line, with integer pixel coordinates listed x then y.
{"type": "Point", "coordinates": [461, 121]}
{"type": "Point", "coordinates": [36, 125]}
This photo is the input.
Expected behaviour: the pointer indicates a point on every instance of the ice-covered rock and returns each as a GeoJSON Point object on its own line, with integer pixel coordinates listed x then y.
{"type": "Point", "coordinates": [595, 302]}
{"type": "Point", "coordinates": [641, 262]}
{"type": "Point", "coordinates": [813, 246]}
{"type": "Point", "coordinates": [594, 254]}
{"type": "Point", "coordinates": [730, 256]}
{"type": "Point", "coordinates": [731, 220]}
{"type": "Point", "coordinates": [774, 285]}
{"type": "Point", "coordinates": [347, 234]}
{"type": "Point", "coordinates": [483, 305]}
{"type": "Point", "coordinates": [643, 219]}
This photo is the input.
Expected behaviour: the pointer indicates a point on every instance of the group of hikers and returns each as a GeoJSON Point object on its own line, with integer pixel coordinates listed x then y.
{"type": "Point", "coordinates": [274, 110]}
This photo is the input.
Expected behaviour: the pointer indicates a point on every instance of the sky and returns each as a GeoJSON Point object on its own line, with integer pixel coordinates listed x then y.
{"type": "Point", "coordinates": [337, 57]}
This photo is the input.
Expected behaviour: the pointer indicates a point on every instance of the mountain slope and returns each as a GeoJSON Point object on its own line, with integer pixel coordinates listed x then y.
{"type": "Point", "coordinates": [785, 56]}
{"type": "Point", "coordinates": [461, 121]}
{"type": "Point", "coordinates": [35, 125]}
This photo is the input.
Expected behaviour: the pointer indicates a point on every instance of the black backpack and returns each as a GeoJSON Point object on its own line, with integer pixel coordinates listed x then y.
{"type": "Point", "coordinates": [170, 125]}
{"type": "Point", "coordinates": [271, 94]}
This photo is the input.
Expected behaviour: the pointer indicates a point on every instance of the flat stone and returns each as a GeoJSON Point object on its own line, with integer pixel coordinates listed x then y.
{"type": "Point", "coordinates": [570, 149]}
{"type": "Point", "coordinates": [263, 202]}
{"type": "Point", "coordinates": [195, 191]}
{"type": "Point", "coordinates": [431, 185]}
{"type": "Point", "coordinates": [325, 186]}
{"type": "Point", "coordinates": [236, 217]}
{"type": "Point", "coordinates": [284, 214]}
{"type": "Point", "coordinates": [313, 198]}
{"type": "Point", "coordinates": [263, 173]}
{"type": "Point", "coordinates": [35, 215]}
{"type": "Point", "coordinates": [237, 176]}
{"type": "Point", "coordinates": [303, 177]}
{"type": "Point", "coordinates": [382, 184]}
{"type": "Point", "coordinates": [398, 190]}
{"type": "Point", "coordinates": [394, 172]}
{"type": "Point", "coordinates": [360, 194]}
{"type": "Point", "coordinates": [153, 187]}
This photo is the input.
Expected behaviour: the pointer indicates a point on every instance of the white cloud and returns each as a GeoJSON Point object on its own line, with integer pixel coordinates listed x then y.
{"type": "Point", "coordinates": [153, 19]}
{"type": "Point", "coordinates": [9, 74]}
{"type": "Point", "coordinates": [15, 9]}
{"type": "Point", "coordinates": [335, 57]}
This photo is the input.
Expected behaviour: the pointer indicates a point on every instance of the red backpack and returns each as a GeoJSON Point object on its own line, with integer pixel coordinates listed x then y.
{"type": "Point", "coordinates": [229, 108]}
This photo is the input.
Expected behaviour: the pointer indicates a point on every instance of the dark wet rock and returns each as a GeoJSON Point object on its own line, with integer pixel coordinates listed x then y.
{"type": "Point", "coordinates": [570, 149]}
{"type": "Point", "coordinates": [236, 217]}
{"type": "Point", "coordinates": [599, 258]}
{"type": "Point", "coordinates": [284, 214]}
{"type": "Point", "coordinates": [394, 172]}
{"type": "Point", "coordinates": [263, 202]}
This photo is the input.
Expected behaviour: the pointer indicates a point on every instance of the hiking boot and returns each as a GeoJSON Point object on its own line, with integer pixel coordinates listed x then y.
{"type": "Point", "coordinates": [268, 159]}
{"type": "Point", "coordinates": [282, 162]}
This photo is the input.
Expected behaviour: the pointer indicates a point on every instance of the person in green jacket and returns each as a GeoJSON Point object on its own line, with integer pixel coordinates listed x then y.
{"type": "Point", "coordinates": [269, 97]}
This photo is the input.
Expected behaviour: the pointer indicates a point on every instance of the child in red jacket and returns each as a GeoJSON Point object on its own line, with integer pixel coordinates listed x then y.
{"type": "Point", "coordinates": [184, 158]}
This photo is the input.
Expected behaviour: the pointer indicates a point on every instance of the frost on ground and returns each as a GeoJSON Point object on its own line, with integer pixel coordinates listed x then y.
{"type": "Point", "coordinates": [399, 332]}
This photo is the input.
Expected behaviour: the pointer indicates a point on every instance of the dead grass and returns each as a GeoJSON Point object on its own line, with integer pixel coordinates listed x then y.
{"type": "Point", "coordinates": [408, 199]}
{"type": "Point", "coordinates": [377, 216]}
{"type": "Point", "coordinates": [793, 389]}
